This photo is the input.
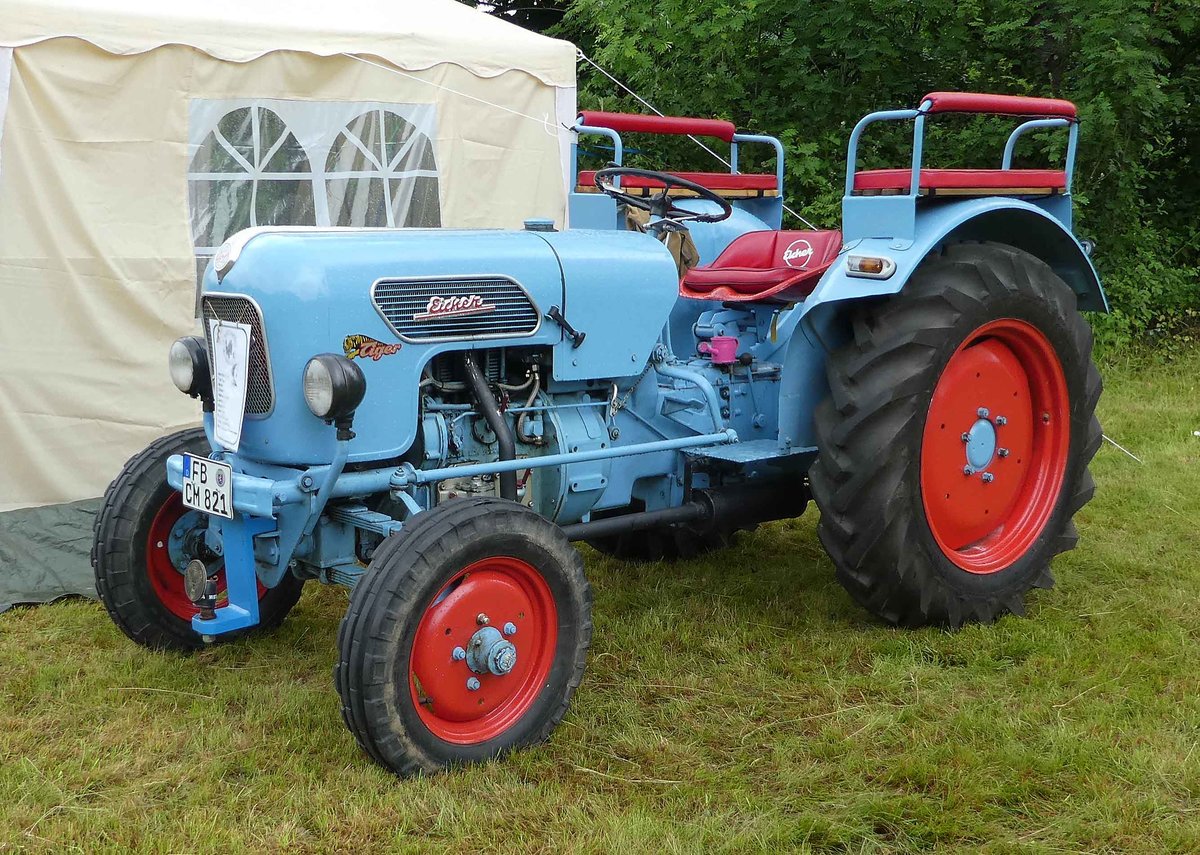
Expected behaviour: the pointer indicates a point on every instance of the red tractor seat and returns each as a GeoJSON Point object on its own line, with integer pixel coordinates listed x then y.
{"type": "Point", "coordinates": [965, 182]}
{"type": "Point", "coordinates": [770, 266]}
{"type": "Point", "coordinates": [740, 184]}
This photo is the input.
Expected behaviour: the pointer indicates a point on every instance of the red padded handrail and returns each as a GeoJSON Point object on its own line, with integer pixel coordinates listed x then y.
{"type": "Point", "coordinates": [635, 123]}
{"type": "Point", "coordinates": [1009, 105]}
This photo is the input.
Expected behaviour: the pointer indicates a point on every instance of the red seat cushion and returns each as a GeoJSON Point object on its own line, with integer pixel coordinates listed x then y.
{"type": "Point", "coordinates": [778, 266]}
{"type": "Point", "coordinates": [1038, 180]}
{"type": "Point", "coordinates": [711, 180]}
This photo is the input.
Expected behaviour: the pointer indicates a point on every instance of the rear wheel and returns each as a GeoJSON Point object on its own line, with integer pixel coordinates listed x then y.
{"type": "Point", "coordinates": [465, 638]}
{"type": "Point", "coordinates": [955, 442]}
{"type": "Point", "coordinates": [143, 539]}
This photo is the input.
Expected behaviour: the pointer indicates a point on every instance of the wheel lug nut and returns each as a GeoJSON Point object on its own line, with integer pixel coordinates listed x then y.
{"type": "Point", "coordinates": [1001, 420]}
{"type": "Point", "coordinates": [967, 470]}
{"type": "Point", "coordinates": [1003, 452]}
{"type": "Point", "coordinates": [473, 684]}
{"type": "Point", "coordinates": [982, 412]}
{"type": "Point", "coordinates": [458, 654]}
{"type": "Point", "coordinates": [966, 437]}
{"type": "Point", "coordinates": [988, 477]}
{"type": "Point", "coordinates": [510, 628]}
{"type": "Point", "coordinates": [482, 619]}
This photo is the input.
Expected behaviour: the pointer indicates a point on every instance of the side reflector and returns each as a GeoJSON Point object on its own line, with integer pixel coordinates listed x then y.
{"type": "Point", "coordinates": [870, 266]}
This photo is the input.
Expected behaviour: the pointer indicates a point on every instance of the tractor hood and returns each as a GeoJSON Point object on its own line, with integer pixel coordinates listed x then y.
{"type": "Point", "coordinates": [393, 299]}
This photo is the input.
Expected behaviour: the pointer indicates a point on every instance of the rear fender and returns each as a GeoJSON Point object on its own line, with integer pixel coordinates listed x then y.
{"type": "Point", "coordinates": [819, 324]}
{"type": "Point", "coordinates": [1008, 221]}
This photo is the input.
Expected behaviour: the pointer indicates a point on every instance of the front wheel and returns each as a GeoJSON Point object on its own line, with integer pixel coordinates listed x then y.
{"type": "Point", "coordinates": [144, 537]}
{"type": "Point", "coordinates": [466, 637]}
{"type": "Point", "coordinates": [955, 441]}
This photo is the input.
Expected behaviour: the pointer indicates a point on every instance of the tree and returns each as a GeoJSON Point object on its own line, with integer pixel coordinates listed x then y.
{"type": "Point", "coordinates": [806, 70]}
{"type": "Point", "coordinates": [536, 15]}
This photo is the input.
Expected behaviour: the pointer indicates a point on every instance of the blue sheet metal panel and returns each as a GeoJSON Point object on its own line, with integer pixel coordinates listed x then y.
{"type": "Point", "coordinates": [620, 287]}
{"type": "Point", "coordinates": [314, 290]}
{"type": "Point", "coordinates": [753, 451]}
{"type": "Point", "coordinates": [1011, 221]}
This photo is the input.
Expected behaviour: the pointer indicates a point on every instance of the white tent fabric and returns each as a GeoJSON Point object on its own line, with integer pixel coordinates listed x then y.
{"type": "Point", "coordinates": [411, 34]}
{"type": "Point", "coordinates": [137, 135]}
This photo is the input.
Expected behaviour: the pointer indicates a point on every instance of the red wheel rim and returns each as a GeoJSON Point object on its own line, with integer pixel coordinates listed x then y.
{"type": "Point", "coordinates": [165, 578]}
{"type": "Point", "coordinates": [508, 591]}
{"type": "Point", "coordinates": [1003, 385]}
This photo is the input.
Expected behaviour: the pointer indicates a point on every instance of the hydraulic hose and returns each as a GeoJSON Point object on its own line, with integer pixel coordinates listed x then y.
{"type": "Point", "coordinates": [486, 401]}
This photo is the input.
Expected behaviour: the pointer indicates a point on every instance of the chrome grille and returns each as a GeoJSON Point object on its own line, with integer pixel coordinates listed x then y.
{"type": "Point", "coordinates": [260, 392]}
{"type": "Point", "coordinates": [507, 309]}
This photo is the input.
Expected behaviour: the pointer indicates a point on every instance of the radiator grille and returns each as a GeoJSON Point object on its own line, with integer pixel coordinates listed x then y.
{"type": "Point", "coordinates": [503, 308]}
{"type": "Point", "coordinates": [260, 392]}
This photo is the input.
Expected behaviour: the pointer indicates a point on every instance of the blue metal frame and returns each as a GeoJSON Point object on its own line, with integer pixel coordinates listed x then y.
{"type": "Point", "coordinates": [590, 212]}
{"type": "Point", "coordinates": [1072, 142]}
{"type": "Point", "coordinates": [894, 216]}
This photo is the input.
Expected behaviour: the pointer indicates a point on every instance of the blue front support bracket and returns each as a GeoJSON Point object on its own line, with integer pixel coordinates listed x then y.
{"type": "Point", "coordinates": [254, 515]}
{"type": "Point", "coordinates": [241, 578]}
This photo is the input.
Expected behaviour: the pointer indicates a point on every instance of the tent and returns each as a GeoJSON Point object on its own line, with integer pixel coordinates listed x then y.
{"type": "Point", "coordinates": [136, 135]}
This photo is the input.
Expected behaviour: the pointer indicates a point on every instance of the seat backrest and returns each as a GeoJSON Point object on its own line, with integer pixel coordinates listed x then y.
{"type": "Point", "coordinates": [771, 250]}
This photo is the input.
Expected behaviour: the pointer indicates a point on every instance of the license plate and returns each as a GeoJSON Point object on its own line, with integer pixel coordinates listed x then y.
{"type": "Point", "coordinates": [208, 486]}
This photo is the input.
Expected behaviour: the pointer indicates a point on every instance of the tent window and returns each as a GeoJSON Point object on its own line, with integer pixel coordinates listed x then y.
{"type": "Point", "coordinates": [381, 172]}
{"type": "Point", "coordinates": [249, 171]}
{"type": "Point", "coordinates": [281, 162]}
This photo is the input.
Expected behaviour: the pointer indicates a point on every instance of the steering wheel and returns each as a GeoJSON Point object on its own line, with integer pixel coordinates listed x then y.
{"type": "Point", "coordinates": [660, 204]}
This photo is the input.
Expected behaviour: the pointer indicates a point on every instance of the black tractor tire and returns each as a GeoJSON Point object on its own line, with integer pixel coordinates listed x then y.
{"type": "Point", "coordinates": [456, 556]}
{"type": "Point", "coordinates": [122, 553]}
{"type": "Point", "coordinates": [886, 440]}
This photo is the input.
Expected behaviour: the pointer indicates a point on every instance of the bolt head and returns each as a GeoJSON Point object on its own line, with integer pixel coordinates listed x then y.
{"type": "Point", "coordinates": [458, 654]}
{"type": "Point", "coordinates": [988, 477]}
{"type": "Point", "coordinates": [1045, 418]}
{"type": "Point", "coordinates": [1001, 420]}
{"type": "Point", "coordinates": [482, 619]}
{"type": "Point", "coordinates": [473, 684]}
{"type": "Point", "coordinates": [510, 628]}
{"type": "Point", "coordinates": [982, 412]}
{"type": "Point", "coordinates": [966, 437]}
{"type": "Point", "coordinates": [967, 470]}
{"type": "Point", "coordinates": [1003, 452]}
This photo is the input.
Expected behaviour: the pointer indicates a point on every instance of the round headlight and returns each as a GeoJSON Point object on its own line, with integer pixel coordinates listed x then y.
{"type": "Point", "coordinates": [188, 363]}
{"type": "Point", "coordinates": [333, 386]}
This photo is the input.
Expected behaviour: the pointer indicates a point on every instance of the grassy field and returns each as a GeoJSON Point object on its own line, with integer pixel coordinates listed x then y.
{"type": "Point", "coordinates": [738, 703]}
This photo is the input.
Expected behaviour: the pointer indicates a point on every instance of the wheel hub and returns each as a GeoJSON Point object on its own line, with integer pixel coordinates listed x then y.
{"type": "Point", "coordinates": [491, 652]}
{"type": "Point", "coordinates": [981, 444]}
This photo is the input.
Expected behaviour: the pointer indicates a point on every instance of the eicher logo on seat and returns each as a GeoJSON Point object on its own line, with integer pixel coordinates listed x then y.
{"type": "Point", "coordinates": [454, 307]}
{"type": "Point", "coordinates": [798, 254]}
{"type": "Point", "coordinates": [365, 347]}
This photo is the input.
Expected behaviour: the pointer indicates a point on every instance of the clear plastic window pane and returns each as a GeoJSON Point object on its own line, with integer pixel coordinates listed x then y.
{"type": "Point", "coordinates": [267, 162]}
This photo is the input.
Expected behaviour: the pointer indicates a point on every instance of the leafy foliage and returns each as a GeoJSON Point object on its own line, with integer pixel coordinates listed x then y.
{"type": "Point", "coordinates": [808, 70]}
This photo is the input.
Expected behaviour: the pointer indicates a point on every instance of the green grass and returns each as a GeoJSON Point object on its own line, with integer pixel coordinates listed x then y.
{"type": "Point", "coordinates": [737, 703]}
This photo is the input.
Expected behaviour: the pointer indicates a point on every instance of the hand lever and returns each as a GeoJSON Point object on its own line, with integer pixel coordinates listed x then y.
{"type": "Point", "coordinates": [555, 314]}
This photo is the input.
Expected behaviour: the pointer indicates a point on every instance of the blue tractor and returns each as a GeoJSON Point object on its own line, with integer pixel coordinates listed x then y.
{"type": "Point", "coordinates": [431, 418]}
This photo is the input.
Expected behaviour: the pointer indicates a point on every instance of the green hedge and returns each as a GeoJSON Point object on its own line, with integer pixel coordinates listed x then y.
{"type": "Point", "coordinates": [807, 71]}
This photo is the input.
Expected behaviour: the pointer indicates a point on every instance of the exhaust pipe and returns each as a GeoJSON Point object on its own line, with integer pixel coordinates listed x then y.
{"type": "Point", "coordinates": [486, 401]}
{"type": "Point", "coordinates": [734, 507]}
